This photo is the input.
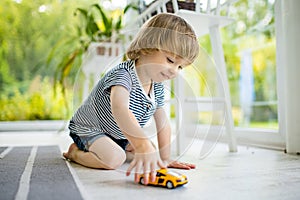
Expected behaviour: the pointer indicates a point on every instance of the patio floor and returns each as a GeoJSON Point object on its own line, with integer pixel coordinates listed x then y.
{"type": "Point", "coordinates": [251, 173]}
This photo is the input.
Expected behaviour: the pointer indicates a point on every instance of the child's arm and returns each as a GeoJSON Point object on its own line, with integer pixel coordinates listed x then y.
{"type": "Point", "coordinates": [164, 140]}
{"type": "Point", "coordinates": [146, 158]}
{"type": "Point", "coordinates": [163, 134]}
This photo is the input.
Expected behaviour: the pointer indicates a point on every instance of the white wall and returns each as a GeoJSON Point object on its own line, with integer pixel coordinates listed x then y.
{"type": "Point", "coordinates": [287, 15]}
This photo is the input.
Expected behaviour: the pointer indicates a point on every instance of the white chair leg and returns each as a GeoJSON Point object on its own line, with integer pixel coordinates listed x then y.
{"type": "Point", "coordinates": [179, 119]}
{"type": "Point", "coordinates": [218, 55]}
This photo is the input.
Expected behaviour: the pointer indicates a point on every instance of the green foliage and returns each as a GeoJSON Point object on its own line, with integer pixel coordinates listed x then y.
{"type": "Point", "coordinates": [31, 33]}
{"type": "Point", "coordinates": [40, 102]}
{"type": "Point", "coordinates": [94, 25]}
{"type": "Point", "coordinates": [29, 29]}
{"type": "Point", "coordinates": [100, 25]}
{"type": "Point", "coordinates": [253, 31]}
{"type": "Point", "coordinates": [43, 37]}
{"type": "Point", "coordinates": [5, 77]}
{"type": "Point", "coordinates": [253, 16]}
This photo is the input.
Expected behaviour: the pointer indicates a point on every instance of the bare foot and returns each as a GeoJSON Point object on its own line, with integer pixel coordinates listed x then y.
{"type": "Point", "coordinates": [71, 152]}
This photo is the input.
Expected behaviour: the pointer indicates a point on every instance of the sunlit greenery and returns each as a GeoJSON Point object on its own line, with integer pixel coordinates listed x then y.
{"type": "Point", "coordinates": [253, 31]}
{"type": "Point", "coordinates": [40, 102]}
{"type": "Point", "coordinates": [30, 29]}
{"type": "Point", "coordinates": [95, 24]}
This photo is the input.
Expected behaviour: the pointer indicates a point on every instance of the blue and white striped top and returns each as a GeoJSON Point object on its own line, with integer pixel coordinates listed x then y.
{"type": "Point", "coordinates": [95, 115]}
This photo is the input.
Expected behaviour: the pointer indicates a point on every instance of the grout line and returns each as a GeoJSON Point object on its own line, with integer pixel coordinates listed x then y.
{"type": "Point", "coordinates": [25, 178]}
{"type": "Point", "coordinates": [5, 152]}
{"type": "Point", "coordinates": [79, 184]}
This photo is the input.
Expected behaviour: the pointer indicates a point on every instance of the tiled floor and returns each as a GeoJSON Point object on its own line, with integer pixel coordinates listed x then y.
{"type": "Point", "coordinates": [251, 173]}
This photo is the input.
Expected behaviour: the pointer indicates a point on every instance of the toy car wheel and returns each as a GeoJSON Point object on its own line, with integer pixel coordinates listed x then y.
{"type": "Point", "coordinates": [170, 185]}
{"type": "Point", "coordinates": [142, 181]}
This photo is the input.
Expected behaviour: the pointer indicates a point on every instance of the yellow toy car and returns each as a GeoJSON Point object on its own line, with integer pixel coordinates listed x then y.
{"type": "Point", "coordinates": [166, 178]}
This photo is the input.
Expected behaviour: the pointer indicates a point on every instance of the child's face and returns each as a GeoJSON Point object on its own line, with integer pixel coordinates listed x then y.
{"type": "Point", "coordinates": [161, 66]}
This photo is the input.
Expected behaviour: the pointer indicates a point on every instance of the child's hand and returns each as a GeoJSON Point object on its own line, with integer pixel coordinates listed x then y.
{"type": "Point", "coordinates": [145, 161]}
{"type": "Point", "coordinates": [180, 165]}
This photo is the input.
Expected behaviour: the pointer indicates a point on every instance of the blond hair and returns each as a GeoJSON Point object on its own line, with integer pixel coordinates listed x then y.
{"type": "Point", "coordinates": [165, 32]}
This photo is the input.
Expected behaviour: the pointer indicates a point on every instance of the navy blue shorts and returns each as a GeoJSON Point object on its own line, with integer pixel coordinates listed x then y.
{"type": "Point", "coordinates": [84, 143]}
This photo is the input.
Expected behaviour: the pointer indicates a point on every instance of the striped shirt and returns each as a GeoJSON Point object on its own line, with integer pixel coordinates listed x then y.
{"type": "Point", "coordinates": [94, 116]}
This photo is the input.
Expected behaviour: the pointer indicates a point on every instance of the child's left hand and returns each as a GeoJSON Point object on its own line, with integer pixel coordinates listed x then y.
{"type": "Point", "coordinates": [180, 165]}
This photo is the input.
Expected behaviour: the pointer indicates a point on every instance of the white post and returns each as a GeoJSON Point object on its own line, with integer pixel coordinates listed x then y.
{"type": "Point", "coordinates": [287, 28]}
{"type": "Point", "coordinates": [179, 113]}
{"type": "Point", "coordinates": [175, 6]}
{"type": "Point", "coordinates": [218, 54]}
{"type": "Point", "coordinates": [198, 6]}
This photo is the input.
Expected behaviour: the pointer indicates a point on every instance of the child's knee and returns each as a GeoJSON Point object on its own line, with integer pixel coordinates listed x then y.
{"type": "Point", "coordinates": [115, 161]}
{"type": "Point", "coordinates": [109, 154]}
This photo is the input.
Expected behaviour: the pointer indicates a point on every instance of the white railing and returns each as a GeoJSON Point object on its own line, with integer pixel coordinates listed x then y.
{"type": "Point", "coordinates": [212, 7]}
{"type": "Point", "coordinates": [98, 59]}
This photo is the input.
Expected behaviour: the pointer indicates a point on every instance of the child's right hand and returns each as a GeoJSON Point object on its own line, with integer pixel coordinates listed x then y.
{"type": "Point", "coordinates": [146, 159]}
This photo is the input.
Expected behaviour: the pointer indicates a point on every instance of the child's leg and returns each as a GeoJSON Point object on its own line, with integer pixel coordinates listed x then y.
{"type": "Point", "coordinates": [129, 153]}
{"type": "Point", "coordinates": [103, 153]}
